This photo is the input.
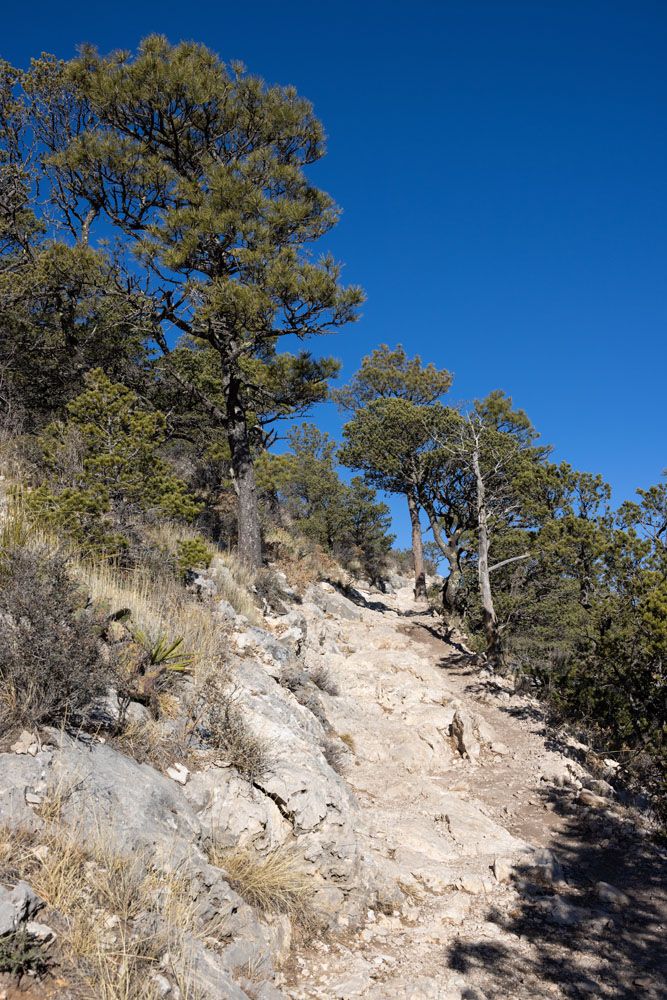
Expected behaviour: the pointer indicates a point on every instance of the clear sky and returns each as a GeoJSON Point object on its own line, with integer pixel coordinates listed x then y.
{"type": "Point", "coordinates": [502, 166]}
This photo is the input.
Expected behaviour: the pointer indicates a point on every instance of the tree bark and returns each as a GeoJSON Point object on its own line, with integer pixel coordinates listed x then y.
{"type": "Point", "coordinates": [243, 471]}
{"type": "Point", "coordinates": [491, 631]}
{"type": "Point", "coordinates": [417, 548]}
{"type": "Point", "coordinates": [450, 550]}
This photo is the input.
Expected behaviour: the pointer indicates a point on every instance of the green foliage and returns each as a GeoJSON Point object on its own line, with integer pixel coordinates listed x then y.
{"type": "Point", "coordinates": [200, 170]}
{"type": "Point", "coordinates": [21, 955]}
{"type": "Point", "coordinates": [165, 652]}
{"type": "Point", "coordinates": [105, 461]}
{"type": "Point", "coordinates": [390, 374]}
{"type": "Point", "coordinates": [193, 553]}
{"type": "Point", "coordinates": [346, 520]}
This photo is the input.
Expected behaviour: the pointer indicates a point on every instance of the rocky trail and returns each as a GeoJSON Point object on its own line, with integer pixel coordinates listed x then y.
{"type": "Point", "coordinates": [523, 876]}
{"type": "Point", "coordinates": [452, 846]}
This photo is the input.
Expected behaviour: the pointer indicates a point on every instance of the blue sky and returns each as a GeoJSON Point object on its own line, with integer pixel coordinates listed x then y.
{"type": "Point", "coordinates": [502, 169]}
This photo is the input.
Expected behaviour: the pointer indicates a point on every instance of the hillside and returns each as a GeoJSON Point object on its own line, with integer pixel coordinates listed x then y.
{"type": "Point", "coordinates": [250, 748]}
{"type": "Point", "coordinates": [414, 830]}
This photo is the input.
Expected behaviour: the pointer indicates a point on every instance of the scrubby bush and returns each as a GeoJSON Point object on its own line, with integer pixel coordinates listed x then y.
{"type": "Point", "coordinates": [50, 662]}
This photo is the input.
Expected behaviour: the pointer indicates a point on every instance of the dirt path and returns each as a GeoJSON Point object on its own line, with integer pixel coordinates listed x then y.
{"type": "Point", "coordinates": [498, 853]}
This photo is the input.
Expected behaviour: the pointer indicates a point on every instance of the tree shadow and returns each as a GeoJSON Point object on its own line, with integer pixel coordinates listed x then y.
{"type": "Point", "coordinates": [563, 935]}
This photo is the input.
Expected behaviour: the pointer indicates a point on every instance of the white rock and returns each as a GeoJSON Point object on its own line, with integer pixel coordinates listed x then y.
{"type": "Point", "coordinates": [503, 869]}
{"type": "Point", "coordinates": [26, 743]}
{"type": "Point", "coordinates": [41, 932]}
{"type": "Point", "coordinates": [455, 909]}
{"type": "Point", "coordinates": [463, 735]}
{"type": "Point", "coordinates": [179, 773]}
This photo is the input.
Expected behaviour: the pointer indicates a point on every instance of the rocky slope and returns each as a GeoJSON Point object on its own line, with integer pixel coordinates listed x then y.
{"type": "Point", "coordinates": [462, 852]}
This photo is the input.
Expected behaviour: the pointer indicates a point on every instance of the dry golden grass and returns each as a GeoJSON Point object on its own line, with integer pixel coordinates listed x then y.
{"type": "Point", "coordinates": [98, 894]}
{"type": "Point", "coordinates": [234, 581]}
{"type": "Point", "coordinates": [348, 740]}
{"type": "Point", "coordinates": [302, 561]}
{"type": "Point", "coordinates": [275, 883]}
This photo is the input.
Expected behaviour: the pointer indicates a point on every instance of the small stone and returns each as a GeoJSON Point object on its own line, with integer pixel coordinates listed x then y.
{"type": "Point", "coordinates": [41, 932]}
{"type": "Point", "coordinates": [500, 749]}
{"type": "Point", "coordinates": [162, 985]}
{"type": "Point", "coordinates": [590, 799]}
{"type": "Point", "coordinates": [33, 798]}
{"type": "Point", "coordinates": [461, 731]}
{"type": "Point", "coordinates": [503, 869]}
{"type": "Point", "coordinates": [563, 913]}
{"type": "Point", "coordinates": [179, 773]}
{"type": "Point", "coordinates": [26, 744]}
{"type": "Point", "coordinates": [601, 787]}
{"type": "Point", "coordinates": [456, 909]}
{"type": "Point", "coordinates": [472, 884]}
{"type": "Point", "coordinates": [611, 895]}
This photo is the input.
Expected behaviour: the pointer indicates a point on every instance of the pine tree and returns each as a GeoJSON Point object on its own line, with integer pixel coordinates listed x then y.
{"type": "Point", "coordinates": [384, 439]}
{"type": "Point", "coordinates": [200, 169]}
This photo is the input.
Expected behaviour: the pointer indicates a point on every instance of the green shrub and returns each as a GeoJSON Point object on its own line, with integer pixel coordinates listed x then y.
{"type": "Point", "coordinates": [193, 553]}
{"type": "Point", "coordinates": [21, 954]}
{"type": "Point", "coordinates": [102, 464]}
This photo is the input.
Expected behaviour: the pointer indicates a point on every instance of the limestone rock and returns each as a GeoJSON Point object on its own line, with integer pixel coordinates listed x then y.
{"type": "Point", "coordinates": [609, 894]}
{"type": "Point", "coordinates": [461, 730]}
{"type": "Point", "coordinates": [17, 906]}
{"type": "Point", "coordinates": [333, 603]}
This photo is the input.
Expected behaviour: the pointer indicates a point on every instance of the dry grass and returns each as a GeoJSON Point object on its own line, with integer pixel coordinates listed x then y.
{"type": "Point", "coordinates": [235, 583]}
{"type": "Point", "coordinates": [218, 723]}
{"type": "Point", "coordinates": [302, 561]}
{"type": "Point", "coordinates": [348, 740]}
{"type": "Point", "coordinates": [148, 742]}
{"type": "Point", "coordinates": [322, 678]}
{"type": "Point", "coordinates": [98, 896]}
{"type": "Point", "coordinates": [275, 883]}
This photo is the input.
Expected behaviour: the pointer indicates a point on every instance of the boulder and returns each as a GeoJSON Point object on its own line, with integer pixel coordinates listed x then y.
{"type": "Point", "coordinates": [17, 906]}
{"type": "Point", "coordinates": [462, 732]}
{"type": "Point", "coordinates": [609, 894]}
{"type": "Point", "coordinates": [333, 603]}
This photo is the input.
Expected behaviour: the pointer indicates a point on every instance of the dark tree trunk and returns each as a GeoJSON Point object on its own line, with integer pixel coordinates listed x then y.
{"type": "Point", "coordinates": [417, 548]}
{"type": "Point", "coordinates": [452, 585]}
{"type": "Point", "coordinates": [450, 548]}
{"type": "Point", "coordinates": [243, 471]}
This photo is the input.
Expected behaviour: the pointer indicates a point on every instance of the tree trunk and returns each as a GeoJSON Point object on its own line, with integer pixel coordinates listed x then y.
{"type": "Point", "coordinates": [491, 631]}
{"type": "Point", "coordinates": [452, 585]}
{"type": "Point", "coordinates": [243, 471]}
{"type": "Point", "coordinates": [417, 548]}
{"type": "Point", "coordinates": [450, 549]}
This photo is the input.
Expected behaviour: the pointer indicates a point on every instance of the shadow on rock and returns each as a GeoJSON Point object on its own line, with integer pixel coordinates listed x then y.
{"type": "Point", "coordinates": [588, 917]}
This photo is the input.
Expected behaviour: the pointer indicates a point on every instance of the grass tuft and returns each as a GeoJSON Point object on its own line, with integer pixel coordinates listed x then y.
{"type": "Point", "coordinates": [275, 883]}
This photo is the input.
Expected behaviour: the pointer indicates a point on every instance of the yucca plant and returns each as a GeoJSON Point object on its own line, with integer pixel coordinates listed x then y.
{"type": "Point", "coordinates": [165, 652]}
{"type": "Point", "coordinates": [146, 664]}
